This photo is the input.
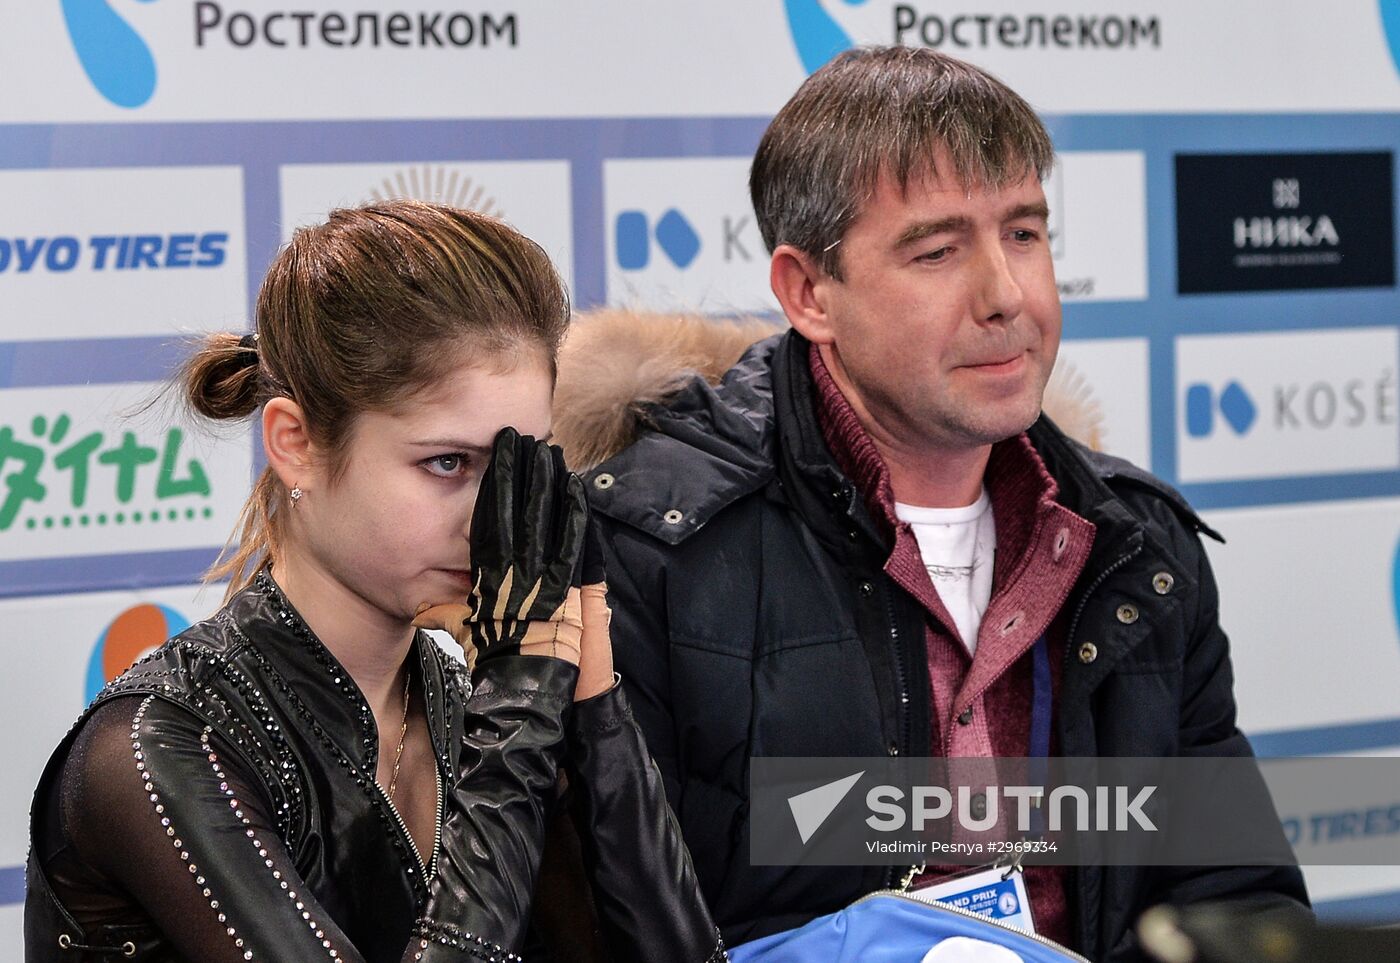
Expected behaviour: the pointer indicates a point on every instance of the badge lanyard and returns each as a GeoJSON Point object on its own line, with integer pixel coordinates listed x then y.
{"type": "Point", "coordinates": [1041, 699]}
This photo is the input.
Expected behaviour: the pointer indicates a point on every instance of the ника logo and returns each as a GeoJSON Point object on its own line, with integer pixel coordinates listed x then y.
{"type": "Point", "coordinates": [811, 808]}
{"type": "Point", "coordinates": [674, 235]}
{"type": "Point", "coordinates": [113, 55]}
{"type": "Point", "coordinates": [1278, 222]}
{"type": "Point", "coordinates": [1390, 20]}
{"type": "Point", "coordinates": [129, 636]}
{"type": "Point", "coordinates": [816, 35]}
{"type": "Point", "coordinates": [1235, 405]}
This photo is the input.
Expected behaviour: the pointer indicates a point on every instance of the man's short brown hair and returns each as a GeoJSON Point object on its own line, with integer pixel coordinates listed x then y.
{"type": "Point", "coordinates": [884, 111]}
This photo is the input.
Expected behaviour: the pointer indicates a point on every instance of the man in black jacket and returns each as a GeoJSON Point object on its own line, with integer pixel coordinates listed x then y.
{"type": "Point", "coordinates": [865, 539]}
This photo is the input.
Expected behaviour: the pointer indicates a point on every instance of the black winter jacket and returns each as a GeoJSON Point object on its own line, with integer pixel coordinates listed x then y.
{"type": "Point", "coordinates": [254, 829]}
{"type": "Point", "coordinates": [753, 618]}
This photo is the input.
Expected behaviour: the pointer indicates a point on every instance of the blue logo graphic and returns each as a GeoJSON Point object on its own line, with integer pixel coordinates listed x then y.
{"type": "Point", "coordinates": [1395, 583]}
{"type": "Point", "coordinates": [674, 235]}
{"type": "Point", "coordinates": [816, 35]}
{"type": "Point", "coordinates": [1390, 19]}
{"type": "Point", "coordinates": [130, 635]}
{"type": "Point", "coordinates": [1236, 407]}
{"type": "Point", "coordinates": [116, 59]}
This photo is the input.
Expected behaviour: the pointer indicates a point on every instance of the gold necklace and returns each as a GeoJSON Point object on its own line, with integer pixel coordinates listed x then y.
{"type": "Point", "coordinates": [403, 731]}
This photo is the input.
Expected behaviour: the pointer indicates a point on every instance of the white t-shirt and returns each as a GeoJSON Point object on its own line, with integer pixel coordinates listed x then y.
{"type": "Point", "coordinates": [958, 546]}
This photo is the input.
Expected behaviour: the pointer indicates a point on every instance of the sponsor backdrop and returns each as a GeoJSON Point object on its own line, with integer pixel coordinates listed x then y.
{"type": "Point", "coordinates": [1223, 219]}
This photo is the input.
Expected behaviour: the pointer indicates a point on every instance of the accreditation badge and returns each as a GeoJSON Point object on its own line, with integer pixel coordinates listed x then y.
{"type": "Point", "coordinates": [998, 892]}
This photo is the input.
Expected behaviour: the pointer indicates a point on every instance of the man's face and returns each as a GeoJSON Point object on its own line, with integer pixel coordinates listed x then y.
{"type": "Point", "coordinates": [947, 320]}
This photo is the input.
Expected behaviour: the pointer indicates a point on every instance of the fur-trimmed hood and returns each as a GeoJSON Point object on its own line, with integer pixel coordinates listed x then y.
{"type": "Point", "coordinates": [616, 364]}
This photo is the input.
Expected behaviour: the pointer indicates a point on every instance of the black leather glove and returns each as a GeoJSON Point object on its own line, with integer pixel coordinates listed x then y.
{"type": "Point", "coordinates": [527, 542]}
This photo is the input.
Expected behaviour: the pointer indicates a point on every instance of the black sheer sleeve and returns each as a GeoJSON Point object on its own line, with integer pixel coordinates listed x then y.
{"type": "Point", "coordinates": [151, 799]}
{"type": "Point", "coordinates": [493, 838]}
{"type": "Point", "coordinates": [644, 885]}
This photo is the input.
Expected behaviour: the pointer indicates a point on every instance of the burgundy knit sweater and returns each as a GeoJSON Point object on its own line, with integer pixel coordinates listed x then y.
{"type": "Point", "coordinates": [1041, 549]}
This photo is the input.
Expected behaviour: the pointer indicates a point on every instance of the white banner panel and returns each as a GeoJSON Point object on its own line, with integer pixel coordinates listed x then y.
{"type": "Point", "coordinates": [1098, 225]}
{"type": "Point", "coordinates": [1314, 642]}
{"type": "Point", "coordinates": [681, 235]}
{"type": "Point", "coordinates": [1098, 394]}
{"type": "Point", "coordinates": [84, 478]}
{"type": "Point", "coordinates": [85, 639]}
{"type": "Point", "coordinates": [532, 196]}
{"type": "Point", "coordinates": [108, 253]}
{"type": "Point", "coordinates": [12, 928]}
{"type": "Point", "coordinates": [124, 60]}
{"type": "Point", "coordinates": [1286, 404]}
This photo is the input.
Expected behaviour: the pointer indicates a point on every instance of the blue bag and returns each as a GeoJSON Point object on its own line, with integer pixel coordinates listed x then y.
{"type": "Point", "coordinates": [892, 927]}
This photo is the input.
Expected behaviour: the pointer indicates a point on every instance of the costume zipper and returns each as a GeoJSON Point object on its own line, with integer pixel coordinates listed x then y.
{"type": "Point", "coordinates": [428, 870]}
{"type": "Point", "coordinates": [944, 907]}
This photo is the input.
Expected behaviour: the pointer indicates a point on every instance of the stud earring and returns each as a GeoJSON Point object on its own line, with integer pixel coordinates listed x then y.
{"type": "Point", "coordinates": [296, 494]}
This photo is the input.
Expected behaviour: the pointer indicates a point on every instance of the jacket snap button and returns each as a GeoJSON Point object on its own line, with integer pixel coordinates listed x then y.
{"type": "Point", "coordinates": [893, 750]}
{"type": "Point", "coordinates": [673, 517]}
{"type": "Point", "coordinates": [1162, 583]}
{"type": "Point", "coordinates": [603, 482]}
{"type": "Point", "coordinates": [965, 717]}
{"type": "Point", "coordinates": [1127, 614]}
{"type": "Point", "coordinates": [866, 590]}
{"type": "Point", "coordinates": [1088, 652]}
{"type": "Point", "coordinates": [979, 806]}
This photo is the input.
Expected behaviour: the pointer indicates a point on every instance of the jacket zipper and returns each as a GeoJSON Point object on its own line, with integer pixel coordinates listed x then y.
{"type": "Point", "coordinates": [429, 870]}
{"type": "Point", "coordinates": [1093, 587]}
{"type": "Point", "coordinates": [944, 907]}
{"type": "Point", "coordinates": [1079, 611]}
{"type": "Point", "coordinates": [902, 709]}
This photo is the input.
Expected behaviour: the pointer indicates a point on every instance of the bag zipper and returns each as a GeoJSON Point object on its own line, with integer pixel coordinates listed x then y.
{"type": "Point", "coordinates": [1036, 937]}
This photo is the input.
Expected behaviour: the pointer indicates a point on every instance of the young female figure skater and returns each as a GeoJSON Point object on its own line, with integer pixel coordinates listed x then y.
{"type": "Point", "coordinates": [305, 775]}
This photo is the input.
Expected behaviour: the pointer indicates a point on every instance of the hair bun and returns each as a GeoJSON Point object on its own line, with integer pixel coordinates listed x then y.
{"type": "Point", "coordinates": [221, 378]}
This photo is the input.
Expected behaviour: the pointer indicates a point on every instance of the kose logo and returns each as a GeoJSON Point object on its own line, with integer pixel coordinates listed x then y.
{"type": "Point", "coordinates": [679, 239]}
{"type": "Point", "coordinates": [674, 235]}
{"type": "Point", "coordinates": [113, 55]}
{"type": "Point", "coordinates": [132, 634]}
{"type": "Point", "coordinates": [118, 252]}
{"type": "Point", "coordinates": [1295, 406]}
{"type": "Point", "coordinates": [1236, 407]}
